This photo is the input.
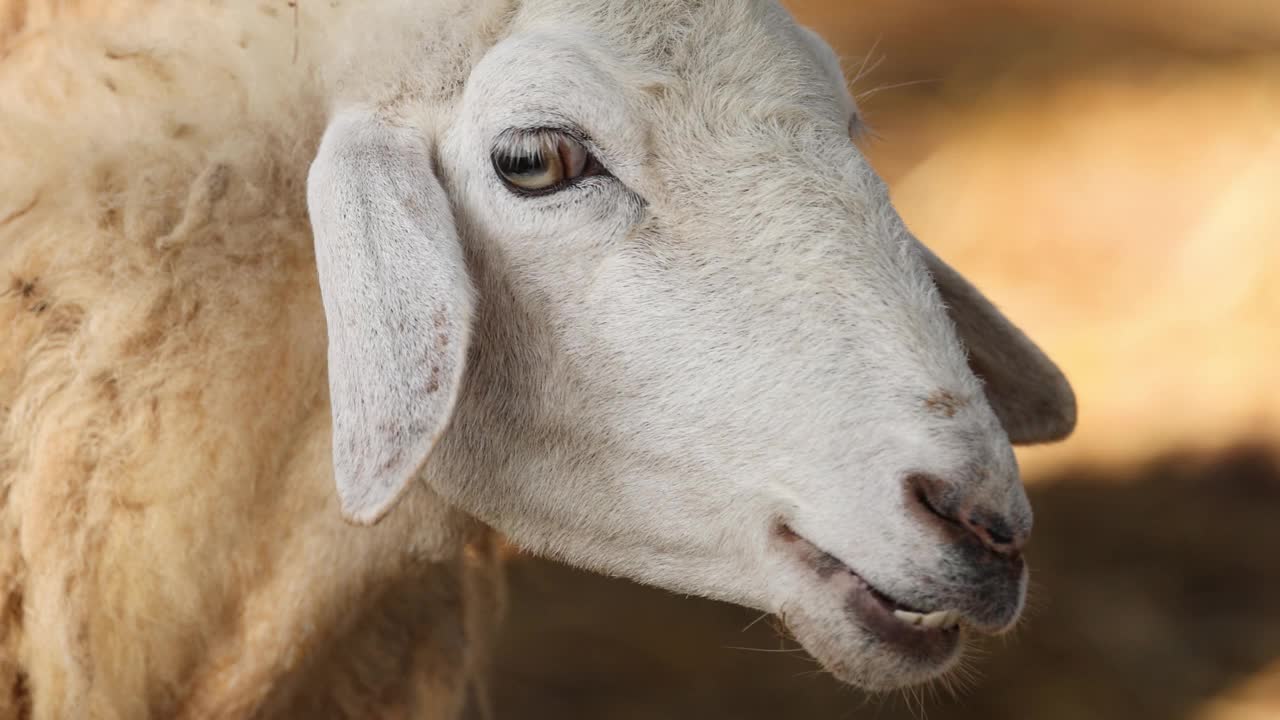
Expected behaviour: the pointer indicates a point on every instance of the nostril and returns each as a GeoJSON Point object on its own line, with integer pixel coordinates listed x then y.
{"type": "Point", "coordinates": [994, 533]}
{"type": "Point", "coordinates": [999, 537]}
{"type": "Point", "coordinates": [942, 508]}
{"type": "Point", "coordinates": [930, 495]}
{"type": "Point", "coordinates": [927, 503]}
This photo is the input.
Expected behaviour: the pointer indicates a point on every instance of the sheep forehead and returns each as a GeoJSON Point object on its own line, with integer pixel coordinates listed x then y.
{"type": "Point", "coordinates": [718, 58]}
{"type": "Point", "coordinates": [709, 86]}
{"type": "Point", "coordinates": [724, 61]}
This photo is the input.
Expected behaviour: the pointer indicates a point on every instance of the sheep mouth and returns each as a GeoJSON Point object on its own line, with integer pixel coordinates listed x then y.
{"type": "Point", "coordinates": [926, 637]}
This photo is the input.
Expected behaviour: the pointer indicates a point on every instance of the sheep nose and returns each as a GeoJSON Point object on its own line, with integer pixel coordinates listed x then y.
{"type": "Point", "coordinates": [945, 508]}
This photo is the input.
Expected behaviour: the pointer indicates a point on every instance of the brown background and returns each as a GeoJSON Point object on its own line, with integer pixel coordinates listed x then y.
{"type": "Point", "coordinates": [1109, 172]}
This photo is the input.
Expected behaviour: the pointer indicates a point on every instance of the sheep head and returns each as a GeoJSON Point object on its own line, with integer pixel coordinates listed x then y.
{"type": "Point", "coordinates": [632, 297]}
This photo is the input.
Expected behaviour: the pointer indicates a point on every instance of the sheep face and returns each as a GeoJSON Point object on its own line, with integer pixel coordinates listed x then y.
{"type": "Point", "coordinates": [677, 332]}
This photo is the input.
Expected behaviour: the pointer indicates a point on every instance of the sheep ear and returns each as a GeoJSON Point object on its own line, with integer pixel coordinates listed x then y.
{"type": "Point", "coordinates": [1029, 394]}
{"type": "Point", "coordinates": [397, 301]}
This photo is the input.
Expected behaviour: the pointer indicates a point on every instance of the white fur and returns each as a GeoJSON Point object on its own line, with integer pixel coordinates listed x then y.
{"type": "Point", "coordinates": [734, 330]}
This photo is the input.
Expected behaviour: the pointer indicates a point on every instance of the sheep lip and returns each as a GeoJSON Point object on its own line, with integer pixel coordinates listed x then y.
{"type": "Point", "coordinates": [877, 612]}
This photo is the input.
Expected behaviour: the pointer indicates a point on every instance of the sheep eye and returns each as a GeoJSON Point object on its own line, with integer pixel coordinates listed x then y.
{"type": "Point", "coordinates": [542, 161]}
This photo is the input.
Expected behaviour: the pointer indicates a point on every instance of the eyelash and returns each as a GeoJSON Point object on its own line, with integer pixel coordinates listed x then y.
{"type": "Point", "coordinates": [515, 144]}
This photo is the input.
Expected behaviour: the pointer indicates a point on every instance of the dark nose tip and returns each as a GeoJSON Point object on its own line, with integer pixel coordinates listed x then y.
{"type": "Point", "coordinates": [945, 508]}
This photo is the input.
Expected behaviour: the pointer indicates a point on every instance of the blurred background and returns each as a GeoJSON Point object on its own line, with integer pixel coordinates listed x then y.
{"type": "Point", "coordinates": [1108, 171]}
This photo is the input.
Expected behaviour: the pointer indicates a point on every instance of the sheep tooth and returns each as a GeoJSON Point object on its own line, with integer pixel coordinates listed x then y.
{"type": "Point", "coordinates": [909, 618]}
{"type": "Point", "coordinates": [935, 619]}
{"type": "Point", "coordinates": [946, 619]}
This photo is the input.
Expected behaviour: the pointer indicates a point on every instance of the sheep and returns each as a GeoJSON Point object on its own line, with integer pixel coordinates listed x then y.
{"type": "Point", "coordinates": [306, 303]}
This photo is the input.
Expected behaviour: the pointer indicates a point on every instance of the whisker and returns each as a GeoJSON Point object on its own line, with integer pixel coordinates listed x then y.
{"type": "Point", "coordinates": [765, 650]}
{"type": "Point", "coordinates": [753, 622]}
{"type": "Point", "coordinates": [893, 86]}
{"type": "Point", "coordinates": [863, 70]}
